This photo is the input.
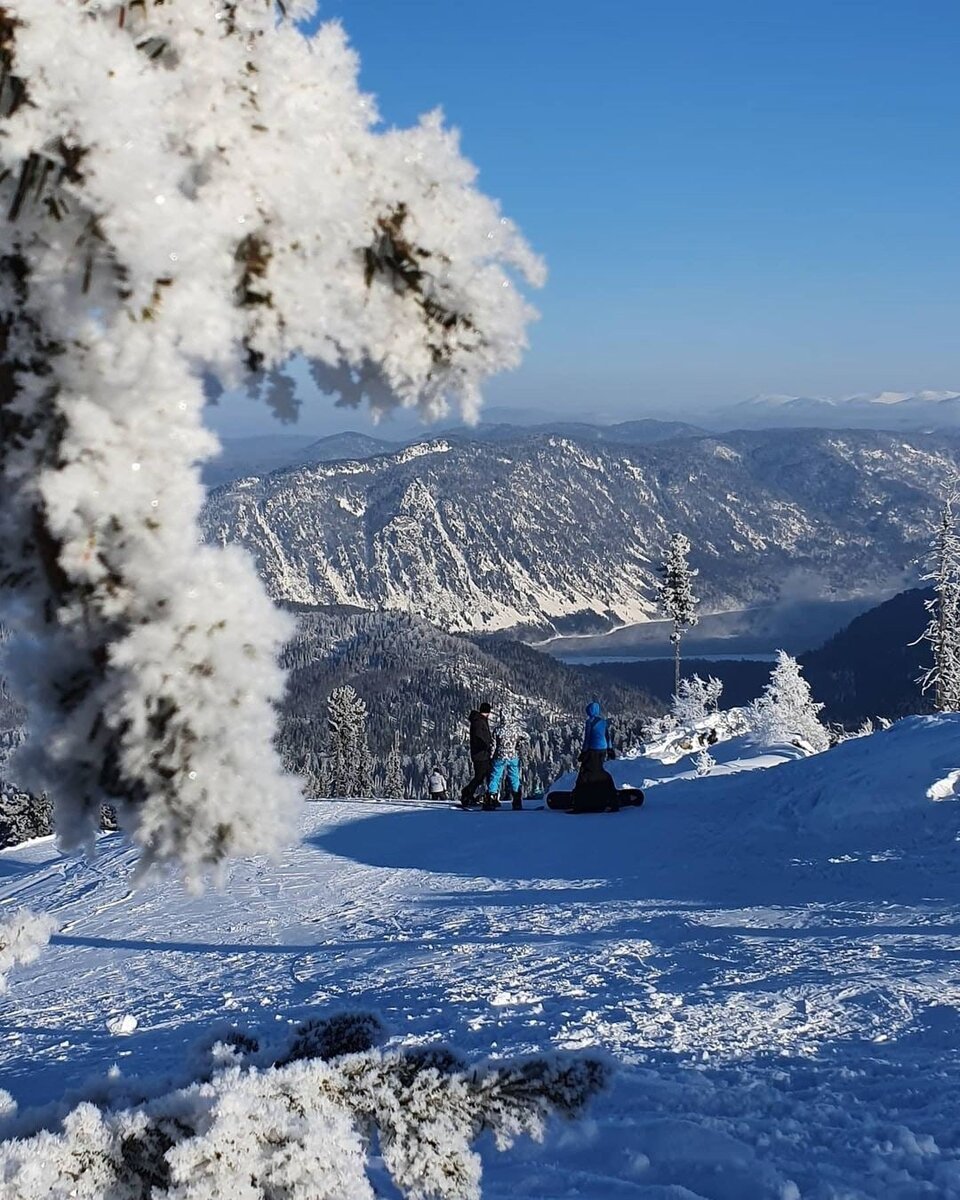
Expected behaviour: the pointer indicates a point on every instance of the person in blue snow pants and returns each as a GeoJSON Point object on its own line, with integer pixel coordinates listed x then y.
{"type": "Point", "coordinates": [509, 767]}
{"type": "Point", "coordinates": [506, 760]}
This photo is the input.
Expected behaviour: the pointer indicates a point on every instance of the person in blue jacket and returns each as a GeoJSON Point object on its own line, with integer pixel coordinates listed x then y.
{"type": "Point", "coordinates": [595, 790]}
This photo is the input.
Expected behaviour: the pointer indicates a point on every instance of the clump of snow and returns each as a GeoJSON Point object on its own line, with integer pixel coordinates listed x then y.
{"type": "Point", "coordinates": [23, 936]}
{"type": "Point", "coordinates": [946, 788]}
{"type": "Point", "coordinates": [123, 1025]}
{"type": "Point", "coordinates": [676, 741]}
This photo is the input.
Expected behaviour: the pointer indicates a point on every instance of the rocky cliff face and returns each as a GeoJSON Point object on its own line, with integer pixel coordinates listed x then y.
{"type": "Point", "coordinates": [561, 533]}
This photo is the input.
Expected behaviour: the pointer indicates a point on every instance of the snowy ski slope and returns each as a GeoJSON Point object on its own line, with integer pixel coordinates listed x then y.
{"type": "Point", "coordinates": [772, 955]}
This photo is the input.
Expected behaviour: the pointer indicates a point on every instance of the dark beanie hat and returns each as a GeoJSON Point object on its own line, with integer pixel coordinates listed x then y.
{"type": "Point", "coordinates": [485, 707]}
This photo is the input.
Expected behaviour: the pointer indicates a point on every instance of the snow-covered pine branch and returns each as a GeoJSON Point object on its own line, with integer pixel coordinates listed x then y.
{"type": "Point", "coordinates": [676, 596]}
{"type": "Point", "coordinates": [785, 712]}
{"type": "Point", "coordinates": [943, 630]}
{"type": "Point", "coordinates": [304, 1126]}
{"type": "Point", "coordinates": [195, 190]}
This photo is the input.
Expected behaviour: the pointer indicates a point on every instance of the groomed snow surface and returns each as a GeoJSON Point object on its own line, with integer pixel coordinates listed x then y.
{"type": "Point", "coordinates": [772, 955]}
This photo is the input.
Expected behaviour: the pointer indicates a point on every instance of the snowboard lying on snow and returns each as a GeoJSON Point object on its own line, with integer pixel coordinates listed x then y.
{"type": "Point", "coordinates": [500, 808]}
{"type": "Point", "coordinates": [626, 797]}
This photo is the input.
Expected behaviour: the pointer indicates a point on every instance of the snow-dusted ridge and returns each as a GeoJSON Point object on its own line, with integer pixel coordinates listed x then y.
{"type": "Point", "coordinates": [558, 534]}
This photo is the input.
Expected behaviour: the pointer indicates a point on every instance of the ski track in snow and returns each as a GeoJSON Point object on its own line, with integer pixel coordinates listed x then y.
{"type": "Point", "coordinates": [784, 1006]}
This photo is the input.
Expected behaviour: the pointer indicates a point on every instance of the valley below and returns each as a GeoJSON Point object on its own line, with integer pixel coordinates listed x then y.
{"type": "Point", "coordinates": [754, 633]}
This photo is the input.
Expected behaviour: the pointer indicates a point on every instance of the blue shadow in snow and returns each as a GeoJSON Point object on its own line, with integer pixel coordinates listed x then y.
{"type": "Point", "coordinates": [691, 854]}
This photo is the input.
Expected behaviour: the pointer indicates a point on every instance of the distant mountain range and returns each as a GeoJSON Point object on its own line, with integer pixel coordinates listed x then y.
{"type": "Point", "coordinates": [537, 531]}
{"type": "Point", "coordinates": [924, 411]}
{"type": "Point", "coordinates": [259, 456]}
{"type": "Point", "coordinates": [915, 411]}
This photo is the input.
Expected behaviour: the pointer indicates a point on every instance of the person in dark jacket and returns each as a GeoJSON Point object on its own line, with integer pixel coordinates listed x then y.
{"type": "Point", "coordinates": [595, 790]}
{"type": "Point", "coordinates": [481, 754]}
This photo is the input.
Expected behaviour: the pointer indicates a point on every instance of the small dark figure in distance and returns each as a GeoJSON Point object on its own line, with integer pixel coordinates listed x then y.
{"type": "Point", "coordinates": [595, 790]}
{"type": "Point", "coordinates": [506, 761]}
{"type": "Point", "coordinates": [437, 784]}
{"type": "Point", "coordinates": [481, 754]}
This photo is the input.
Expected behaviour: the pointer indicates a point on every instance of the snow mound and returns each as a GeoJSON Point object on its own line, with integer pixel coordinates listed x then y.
{"type": "Point", "coordinates": [946, 788]}
{"type": "Point", "coordinates": [673, 756]}
{"type": "Point", "coordinates": [708, 732]}
{"type": "Point", "coordinates": [889, 779]}
{"type": "Point", "coordinates": [124, 1025]}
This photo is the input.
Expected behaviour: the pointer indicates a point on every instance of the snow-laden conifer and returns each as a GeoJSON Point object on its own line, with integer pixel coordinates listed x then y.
{"type": "Point", "coordinates": [351, 763]}
{"type": "Point", "coordinates": [943, 631]}
{"type": "Point", "coordinates": [394, 786]}
{"type": "Point", "coordinates": [196, 190]}
{"type": "Point", "coordinates": [786, 712]}
{"type": "Point", "coordinates": [676, 596]}
{"type": "Point", "coordinates": [696, 698]}
{"type": "Point", "coordinates": [342, 735]}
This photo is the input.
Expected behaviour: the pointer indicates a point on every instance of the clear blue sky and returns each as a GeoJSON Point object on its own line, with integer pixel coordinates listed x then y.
{"type": "Point", "coordinates": [731, 197]}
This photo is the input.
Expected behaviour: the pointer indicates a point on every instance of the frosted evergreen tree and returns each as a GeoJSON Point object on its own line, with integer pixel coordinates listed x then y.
{"type": "Point", "coordinates": [785, 712]}
{"type": "Point", "coordinates": [197, 192]}
{"type": "Point", "coordinates": [943, 630]}
{"type": "Point", "coordinates": [363, 759]}
{"type": "Point", "coordinates": [676, 596]}
{"type": "Point", "coordinates": [696, 698]}
{"type": "Point", "coordinates": [351, 763]}
{"type": "Point", "coordinates": [704, 763]}
{"type": "Point", "coordinates": [343, 708]}
{"type": "Point", "coordinates": [393, 777]}
{"type": "Point", "coordinates": [313, 768]}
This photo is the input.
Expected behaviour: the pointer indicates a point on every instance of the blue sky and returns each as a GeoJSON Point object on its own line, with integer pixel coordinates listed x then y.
{"type": "Point", "coordinates": [731, 197]}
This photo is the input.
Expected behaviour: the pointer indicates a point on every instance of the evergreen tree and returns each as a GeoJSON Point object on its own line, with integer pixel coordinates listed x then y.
{"type": "Point", "coordinates": [696, 699]}
{"type": "Point", "coordinates": [363, 760]}
{"type": "Point", "coordinates": [676, 595]}
{"type": "Point", "coordinates": [786, 712]}
{"type": "Point", "coordinates": [393, 782]}
{"type": "Point", "coordinates": [342, 731]}
{"type": "Point", "coordinates": [351, 763]}
{"type": "Point", "coordinates": [943, 631]}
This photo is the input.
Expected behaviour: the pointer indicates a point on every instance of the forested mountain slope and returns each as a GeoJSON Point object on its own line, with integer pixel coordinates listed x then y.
{"type": "Point", "coordinates": [551, 532]}
{"type": "Point", "coordinates": [871, 668]}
